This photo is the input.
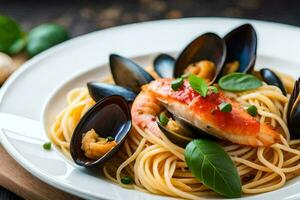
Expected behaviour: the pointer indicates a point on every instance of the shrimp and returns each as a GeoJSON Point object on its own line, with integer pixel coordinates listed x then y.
{"type": "Point", "coordinates": [95, 147]}
{"type": "Point", "coordinates": [236, 126]}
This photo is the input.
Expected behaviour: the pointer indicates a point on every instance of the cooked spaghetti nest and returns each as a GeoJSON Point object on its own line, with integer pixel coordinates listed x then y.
{"type": "Point", "coordinates": [158, 166]}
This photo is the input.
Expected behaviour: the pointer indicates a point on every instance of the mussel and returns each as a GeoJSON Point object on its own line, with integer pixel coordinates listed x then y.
{"type": "Point", "coordinates": [164, 65]}
{"type": "Point", "coordinates": [208, 46]}
{"type": "Point", "coordinates": [241, 45]}
{"type": "Point", "coordinates": [108, 117]}
{"type": "Point", "coordinates": [180, 137]}
{"type": "Point", "coordinates": [99, 90]}
{"type": "Point", "coordinates": [185, 133]}
{"type": "Point", "coordinates": [272, 79]}
{"type": "Point", "coordinates": [127, 73]}
{"type": "Point", "coordinates": [293, 112]}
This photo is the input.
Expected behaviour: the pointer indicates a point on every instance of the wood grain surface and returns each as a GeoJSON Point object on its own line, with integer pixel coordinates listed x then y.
{"type": "Point", "coordinates": [16, 179]}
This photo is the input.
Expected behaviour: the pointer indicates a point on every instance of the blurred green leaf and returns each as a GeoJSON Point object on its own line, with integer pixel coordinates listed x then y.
{"type": "Point", "coordinates": [45, 36]}
{"type": "Point", "coordinates": [11, 36]}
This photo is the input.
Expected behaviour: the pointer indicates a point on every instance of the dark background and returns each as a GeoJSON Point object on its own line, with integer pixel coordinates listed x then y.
{"type": "Point", "coordinates": [83, 16]}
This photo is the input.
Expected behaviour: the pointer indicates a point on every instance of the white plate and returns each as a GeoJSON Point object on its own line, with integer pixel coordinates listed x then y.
{"type": "Point", "coordinates": [25, 94]}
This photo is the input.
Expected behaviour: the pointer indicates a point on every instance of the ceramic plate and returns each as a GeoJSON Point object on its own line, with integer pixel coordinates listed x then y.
{"type": "Point", "coordinates": [36, 92]}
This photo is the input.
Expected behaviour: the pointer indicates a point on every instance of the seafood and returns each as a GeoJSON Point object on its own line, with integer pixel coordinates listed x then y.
{"type": "Point", "coordinates": [237, 126]}
{"type": "Point", "coordinates": [95, 147]}
{"type": "Point", "coordinates": [272, 79]}
{"type": "Point", "coordinates": [114, 111]}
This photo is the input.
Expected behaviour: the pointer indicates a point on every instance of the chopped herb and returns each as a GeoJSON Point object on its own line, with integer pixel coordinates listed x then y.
{"type": "Point", "coordinates": [213, 89]}
{"type": "Point", "coordinates": [126, 180]}
{"type": "Point", "coordinates": [252, 110]}
{"type": "Point", "coordinates": [198, 84]}
{"type": "Point", "coordinates": [110, 138]}
{"type": "Point", "coordinates": [47, 145]}
{"type": "Point", "coordinates": [177, 83]}
{"type": "Point", "coordinates": [163, 119]}
{"type": "Point", "coordinates": [225, 107]}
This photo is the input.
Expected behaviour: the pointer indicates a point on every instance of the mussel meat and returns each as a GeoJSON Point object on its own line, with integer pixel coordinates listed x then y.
{"type": "Point", "coordinates": [293, 112]}
{"type": "Point", "coordinates": [164, 65]}
{"type": "Point", "coordinates": [127, 73]}
{"type": "Point", "coordinates": [108, 117]}
{"type": "Point", "coordinates": [208, 46]}
{"type": "Point", "coordinates": [241, 45]}
{"type": "Point", "coordinates": [99, 90]}
{"type": "Point", "coordinates": [272, 79]}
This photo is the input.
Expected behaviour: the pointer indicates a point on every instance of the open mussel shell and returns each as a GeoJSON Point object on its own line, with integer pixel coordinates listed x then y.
{"type": "Point", "coordinates": [293, 112]}
{"type": "Point", "coordinates": [180, 139]}
{"type": "Point", "coordinates": [272, 79]}
{"type": "Point", "coordinates": [108, 117]}
{"type": "Point", "coordinates": [208, 46]}
{"type": "Point", "coordinates": [241, 45]}
{"type": "Point", "coordinates": [127, 73]}
{"type": "Point", "coordinates": [164, 65]}
{"type": "Point", "coordinates": [99, 90]}
{"type": "Point", "coordinates": [192, 129]}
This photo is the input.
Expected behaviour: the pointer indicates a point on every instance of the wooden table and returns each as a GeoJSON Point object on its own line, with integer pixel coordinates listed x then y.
{"type": "Point", "coordinates": [18, 180]}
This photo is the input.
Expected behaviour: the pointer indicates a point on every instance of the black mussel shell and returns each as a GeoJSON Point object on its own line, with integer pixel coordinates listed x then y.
{"type": "Point", "coordinates": [127, 73]}
{"type": "Point", "coordinates": [100, 90]}
{"type": "Point", "coordinates": [241, 45]}
{"type": "Point", "coordinates": [180, 139]}
{"type": "Point", "coordinates": [164, 65]}
{"type": "Point", "coordinates": [272, 79]}
{"type": "Point", "coordinates": [190, 128]}
{"type": "Point", "coordinates": [293, 112]}
{"type": "Point", "coordinates": [108, 117]}
{"type": "Point", "coordinates": [208, 46]}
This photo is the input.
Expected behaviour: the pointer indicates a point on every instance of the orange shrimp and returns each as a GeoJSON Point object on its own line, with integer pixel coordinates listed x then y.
{"type": "Point", "coordinates": [236, 126]}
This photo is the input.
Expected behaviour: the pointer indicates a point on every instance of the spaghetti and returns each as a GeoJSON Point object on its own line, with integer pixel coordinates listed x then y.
{"type": "Point", "coordinates": [158, 166]}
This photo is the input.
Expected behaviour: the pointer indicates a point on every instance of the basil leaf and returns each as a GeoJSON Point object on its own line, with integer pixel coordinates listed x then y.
{"type": "Point", "coordinates": [237, 82]}
{"type": "Point", "coordinates": [47, 145]}
{"type": "Point", "coordinates": [198, 84]}
{"type": "Point", "coordinates": [210, 164]}
{"type": "Point", "coordinates": [225, 107]}
{"type": "Point", "coordinates": [252, 110]}
{"type": "Point", "coordinates": [163, 119]}
{"type": "Point", "coordinates": [10, 33]}
{"type": "Point", "coordinates": [110, 138]}
{"type": "Point", "coordinates": [213, 89]}
{"type": "Point", "coordinates": [45, 36]}
{"type": "Point", "coordinates": [177, 83]}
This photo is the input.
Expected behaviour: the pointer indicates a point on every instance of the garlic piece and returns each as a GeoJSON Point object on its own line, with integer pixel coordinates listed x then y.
{"type": "Point", "coordinates": [6, 67]}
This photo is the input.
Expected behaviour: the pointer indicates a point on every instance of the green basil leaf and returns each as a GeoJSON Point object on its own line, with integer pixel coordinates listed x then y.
{"type": "Point", "coordinates": [213, 89]}
{"type": "Point", "coordinates": [45, 36]}
{"type": "Point", "coordinates": [252, 110]}
{"type": "Point", "coordinates": [198, 84]}
{"type": "Point", "coordinates": [238, 82]}
{"type": "Point", "coordinates": [225, 107]}
{"type": "Point", "coordinates": [163, 119]}
{"type": "Point", "coordinates": [210, 164]}
{"type": "Point", "coordinates": [177, 83]}
{"type": "Point", "coordinates": [110, 138]}
{"type": "Point", "coordinates": [47, 145]}
{"type": "Point", "coordinates": [10, 32]}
